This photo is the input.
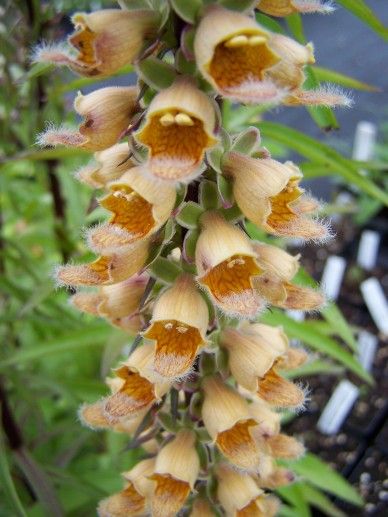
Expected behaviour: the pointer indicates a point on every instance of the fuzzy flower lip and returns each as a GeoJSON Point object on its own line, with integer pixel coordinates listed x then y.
{"type": "Point", "coordinates": [140, 206]}
{"type": "Point", "coordinates": [287, 7]}
{"type": "Point", "coordinates": [233, 53]}
{"type": "Point", "coordinates": [107, 114]}
{"type": "Point", "coordinates": [179, 322]}
{"type": "Point", "coordinates": [269, 195]}
{"type": "Point", "coordinates": [226, 267]}
{"type": "Point", "coordinates": [106, 40]}
{"type": "Point", "coordinates": [179, 127]}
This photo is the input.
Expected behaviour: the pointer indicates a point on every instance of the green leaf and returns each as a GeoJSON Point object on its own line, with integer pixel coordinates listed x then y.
{"type": "Point", "coordinates": [318, 152]}
{"type": "Point", "coordinates": [189, 215]}
{"type": "Point", "coordinates": [340, 326]}
{"type": "Point", "coordinates": [360, 9]}
{"type": "Point", "coordinates": [188, 11]}
{"type": "Point", "coordinates": [319, 474]}
{"type": "Point", "coordinates": [225, 188]}
{"type": "Point", "coordinates": [38, 69]}
{"type": "Point", "coordinates": [190, 244]}
{"type": "Point", "coordinates": [165, 270]}
{"type": "Point", "coordinates": [247, 142]}
{"type": "Point", "coordinates": [91, 336]}
{"type": "Point", "coordinates": [294, 494]}
{"type": "Point", "coordinates": [317, 341]}
{"type": "Point", "coordinates": [269, 23]}
{"type": "Point", "coordinates": [295, 24]}
{"type": "Point", "coordinates": [318, 499]}
{"type": "Point", "coordinates": [208, 195]}
{"type": "Point", "coordinates": [9, 490]}
{"type": "Point", "coordinates": [331, 76]}
{"type": "Point", "coordinates": [314, 368]}
{"type": "Point", "coordinates": [156, 73]}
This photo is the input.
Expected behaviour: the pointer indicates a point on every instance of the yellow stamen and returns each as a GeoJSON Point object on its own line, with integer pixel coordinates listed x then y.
{"type": "Point", "coordinates": [167, 120]}
{"type": "Point", "coordinates": [182, 119]}
{"type": "Point", "coordinates": [256, 40]}
{"type": "Point", "coordinates": [237, 41]}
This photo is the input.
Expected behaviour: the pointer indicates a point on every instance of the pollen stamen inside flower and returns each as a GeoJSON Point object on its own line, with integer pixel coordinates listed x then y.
{"type": "Point", "coordinates": [240, 59]}
{"type": "Point", "coordinates": [177, 142]}
{"type": "Point", "coordinates": [177, 345]}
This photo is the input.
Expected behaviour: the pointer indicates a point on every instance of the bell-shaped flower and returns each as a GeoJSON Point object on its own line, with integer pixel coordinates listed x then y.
{"type": "Point", "coordinates": [227, 419]}
{"type": "Point", "coordinates": [226, 266]}
{"type": "Point", "coordinates": [106, 40]}
{"type": "Point", "coordinates": [179, 127]}
{"type": "Point", "coordinates": [201, 508]}
{"type": "Point", "coordinates": [253, 352]}
{"type": "Point", "coordinates": [233, 53]}
{"type": "Point", "coordinates": [275, 284]}
{"type": "Point", "coordinates": [179, 323]}
{"type": "Point", "coordinates": [134, 386]}
{"type": "Point", "coordinates": [287, 7]}
{"type": "Point", "coordinates": [269, 195]}
{"type": "Point", "coordinates": [176, 471]}
{"type": "Point", "coordinates": [140, 206]}
{"type": "Point", "coordinates": [108, 165]}
{"type": "Point", "coordinates": [132, 500]}
{"type": "Point", "coordinates": [240, 496]}
{"type": "Point", "coordinates": [105, 270]}
{"type": "Point", "coordinates": [118, 303]}
{"type": "Point", "coordinates": [107, 113]}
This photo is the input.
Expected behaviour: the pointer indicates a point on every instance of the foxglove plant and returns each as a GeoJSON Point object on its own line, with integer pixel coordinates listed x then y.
{"type": "Point", "coordinates": [203, 386]}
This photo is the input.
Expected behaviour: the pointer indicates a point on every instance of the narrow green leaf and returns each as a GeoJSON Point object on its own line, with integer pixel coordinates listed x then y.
{"type": "Point", "coordinates": [318, 152]}
{"type": "Point", "coordinates": [331, 76]}
{"type": "Point", "coordinates": [340, 326]}
{"type": "Point", "coordinates": [317, 341]}
{"type": "Point", "coordinates": [360, 9]}
{"type": "Point", "coordinates": [295, 24]}
{"type": "Point", "coordinates": [46, 154]}
{"type": "Point", "coordinates": [38, 69]}
{"type": "Point", "coordinates": [156, 73]}
{"type": "Point", "coordinates": [319, 474]}
{"type": "Point", "coordinates": [269, 23]}
{"type": "Point", "coordinates": [318, 499]}
{"type": "Point", "coordinates": [238, 5]}
{"type": "Point", "coordinates": [314, 368]}
{"type": "Point", "coordinates": [294, 495]}
{"type": "Point", "coordinates": [92, 336]}
{"type": "Point", "coordinates": [9, 492]}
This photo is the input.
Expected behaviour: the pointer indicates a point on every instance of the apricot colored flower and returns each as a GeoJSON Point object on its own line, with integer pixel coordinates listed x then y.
{"type": "Point", "coordinates": [287, 7]}
{"type": "Point", "coordinates": [226, 265]}
{"type": "Point", "coordinates": [240, 496]}
{"type": "Point", "coordinates": [179, 127]}
{"type": "Point", "coordinates": [179, 322]}
{"type": "Point", "coordinates": [107, 113]}
{"type": "Point", "coordinates": [118, 303]}
{"type": "Point", "coordinates": [108, 165]}
{"type": "Point", "coordinates": [134, 387]}
{"type": "Point", "coordinates": [228, 421]}
{"type": "Point", "coordinates": [132, 500]}
{"type": "Point", "coordinates": [105, 270]}
{"type": "Point", "coordinates": [233, 53]}
{"type": "Point", "coordinates": [253, 352]}
{"type": "Point", "coordinates": [201, 508]}
{"type": "Point", "coordinates": [275, 284]}
{"type": "Point", "coordinates": [269, 195]}
{"type": "Point", "coordinates": [176, 470]}
{"type": "Point", "coordinates": [140, 206]}
{"type": "Point", "coordinates": [106, 40]}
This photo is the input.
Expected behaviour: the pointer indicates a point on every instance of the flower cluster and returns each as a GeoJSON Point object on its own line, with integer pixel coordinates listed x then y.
{"type": "Point", "coordinates": [205, 382]}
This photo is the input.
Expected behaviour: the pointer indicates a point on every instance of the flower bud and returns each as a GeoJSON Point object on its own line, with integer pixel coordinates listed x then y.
{"type": "Point", "coordinates": [117, 303]}
{"type": "Point", "coordinates": [226, 266]}
{"type": "Point", "coordinates": [179, 128]}
{"type": "Point", "coordinates": [134, 388]}
{"type": "Point", "coordinates": [107, 113]}
{"type": "Point", "coordinates": [176, 470]}
{"type": "Point", "coordinates": [105, 270]}
{"type": "Point", "coordinates": [93, 416]}
{"type": "Point", "coordinates": [179, 323]}
{"type": "Point", "coordinates": [133, 499]}
{"type": "Point", "coordinates": [287, 7]}
{"type": "Point", "coordinates": [233, 54]}
{"type": "Point", "coordinates": [227, 419]}
{"type": "Point", "coordinates": [276, 477]}
{"type": "Point", "coordinates": [110, 164]}
{"type": "Point", "coordinates": [252, 351]}
{"type": "Point", "coordinates": [268, 194]}
{"type": "Point", "coordinates": [106, 40]}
